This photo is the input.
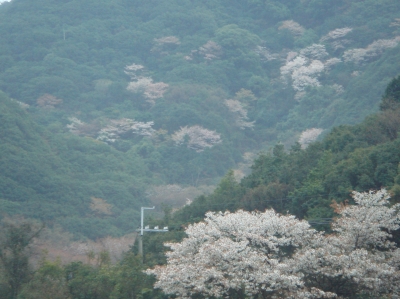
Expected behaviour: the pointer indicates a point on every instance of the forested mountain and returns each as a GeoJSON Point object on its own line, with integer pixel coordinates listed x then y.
{"type": "Point", "coordinates": [112, 97]}
{"type": "Point", "coordinates": [305, 182]}
{"type": "Point", "coordinates": [313, 183]}
{"type": "Point", "coordinates": [65, 179]}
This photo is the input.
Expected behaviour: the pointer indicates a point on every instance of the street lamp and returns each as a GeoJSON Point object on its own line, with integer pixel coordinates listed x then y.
{"type": "Point", "coordinates": [147, 229]}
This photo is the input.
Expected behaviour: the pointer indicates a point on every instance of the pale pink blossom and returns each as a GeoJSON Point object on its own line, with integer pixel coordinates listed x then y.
{"type": "Point", "coordinates": [336, 34]}
{"type": "Point", "coordinates": [145, 85]}
{"type": "Point", "coordinates": [197, 137]}
{"type": "Point", "coordinates": [118, 128]}
{"type": "Point", "coordinates": [235, 251]}
{"type": "Point", "coordinates": [294, 27]}
{"type": "Point", "coordinates": [240, 113]}
{"type": "Point", "coordinates": [278, 256]}
{"type": "Point", "coordinates": [210, 50]}
{"type": "Point", "coordinates": [48, 101]}
{"type": "Point", "coordinates": [395, 23]}
{"type": "Point", "coordinates": [361, 55]}
{"type": "Point", "coordinates": [308, 136]}
{"type": "Point", "coordinates": [315, 51]}
{"type": "Point", "coordinates": [265, 54]}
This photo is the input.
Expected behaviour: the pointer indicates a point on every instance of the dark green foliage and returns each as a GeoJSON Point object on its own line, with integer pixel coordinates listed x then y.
{"type": "Point", "coordinates": [393, 90]}
{"type": "Point", "coordinates": [48, 282]}
{"type": "Point", "coordinates": [304, 182]}
{"type": "Point", "coordinates": [15, 268]}
{"type": "Point", "coordinates": [54, 177]}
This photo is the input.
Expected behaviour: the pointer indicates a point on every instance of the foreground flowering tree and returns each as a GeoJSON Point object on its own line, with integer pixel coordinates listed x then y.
{"type": "Point", "coordinates": [358, 257]}
{"type": "Point", "coordinates": [230, 254]}
{"type": "Point", "coordinates": [268, 255]}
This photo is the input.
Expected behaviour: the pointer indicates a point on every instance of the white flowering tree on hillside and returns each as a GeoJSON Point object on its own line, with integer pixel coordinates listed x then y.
{"type": "Point", "coordinates": [196, 138]}
{"type": "Point", "coordinates": [293, 27]}
{"type": "Point", "coordinates": [145, 85]}
{"type": "Point", "coordinates": [375, 49]}
{"type": "Point", "coordinates": [308, 136]}
{"type": "Point", "coordinates": [239, 112]}
{"type": "Point", "coordinates": [304, 69]}
{"type": "Point", "coordinates": [268, 255]}
{"type": "Point", "coordinates": [124, 126]}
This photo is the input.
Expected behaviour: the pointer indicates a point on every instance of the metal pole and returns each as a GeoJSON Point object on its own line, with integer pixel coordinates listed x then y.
{"type": "Point", "coordinates": [141, 229]}
{"type": "Point", "coordinates": [140, 246]}
{"type": "Point", "coordinates": [141, 217]}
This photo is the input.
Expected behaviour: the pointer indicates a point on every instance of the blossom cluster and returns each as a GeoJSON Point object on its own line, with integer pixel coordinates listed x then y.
{"type": "Point", "coordinates": [209, 51]}
{"type": "Point", "coordinates": [21, 104]}
{"type": "Point", "coordinates": [395, 23]}
{"type": "Point", "coordinates": [196, 138]}
{"type": "Point", "coordinates": [48, 101]}
{"type": "Point", "coordinates": [167, 40]}
{"type": "Point", "coordinates": [265, 54]}
{"type": "Point", "coordinates": [164, 43]}
{"type": "Point", "coordinates": [361, 55]}
{"type": "Point", "coordinates": [303, 68]}
{"type": "Point", "coordinates": [294, 27]}
{"type": "Point", "coordinates": [274, 255]}
{"type": "Point", "coordinates": [74, 126]}
{"type": "Point", "coordinates": [123, 127]}
{"type": "Point", "coordinates": [302, 71]}
{"type": "Point", "coordinates": [336, 38]}
{"type": "Point", "coordinates": [140, 83]}
{"type": "Point", "coordinates": [336, 34]}
{"type": "Point", "coordinates": [308, 136]}
{"type": "Point", "coordinates": [115, 129]}
{"type": "Point", "coordinates": [240, 113]}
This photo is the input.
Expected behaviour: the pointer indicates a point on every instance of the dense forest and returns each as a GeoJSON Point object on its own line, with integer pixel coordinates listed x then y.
{"type": "Point", "coordinates": [314, 183]}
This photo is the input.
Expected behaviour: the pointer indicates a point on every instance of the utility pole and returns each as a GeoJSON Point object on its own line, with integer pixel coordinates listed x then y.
{"type": "Point", "coordinates": [142, 229]}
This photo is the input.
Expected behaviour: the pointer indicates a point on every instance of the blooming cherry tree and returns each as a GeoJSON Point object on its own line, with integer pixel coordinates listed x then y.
{"type": "Point", "coordinates": [145, 85]}
{"type": "Point", "coordinates": [336, 38]}
{"type": "Point", "coordinates": [165, 43]}
{"type": "Point", "coordinates": [197, 137]}
{"type": "Point", "coordinates": [294, 27]}
{"type": "Point", "coordinates": [210, 50]}
{"type": "Point", "coordinates": [240, 113]}
{"type": "Point", "coordinates": [315, 51]}
{"type": "Point", "coordinates": [74, 126]}
{"type": "Point", "coordinates": [48, 101]}
{"type": "Point", "coordinates": [133, 69]}
{"type": "Point", "coordinates": [302, 71]}
{"type": "Point", "coordinates": [358, 257]}
{"type": "Point", "coordinates": [124, 126]}
{"type": "Point", "coordinates": [278, 256]}
{"type": "Point", "coordinates": [265, 54]}
{"type": "Point", "coordinates": [308, 136]}
{"type": "Point", "coordinates": [237, 252]}
{"type": "Point", "coordinates": [361, 55]}
{"type": "Point", "coordinates": [336, 34]}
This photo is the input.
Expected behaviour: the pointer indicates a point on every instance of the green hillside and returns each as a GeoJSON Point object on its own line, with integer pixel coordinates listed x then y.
{"type": "Point", "coordinates": [306, 181]}
{"type": "Point", "coordinates": [57, 178]}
